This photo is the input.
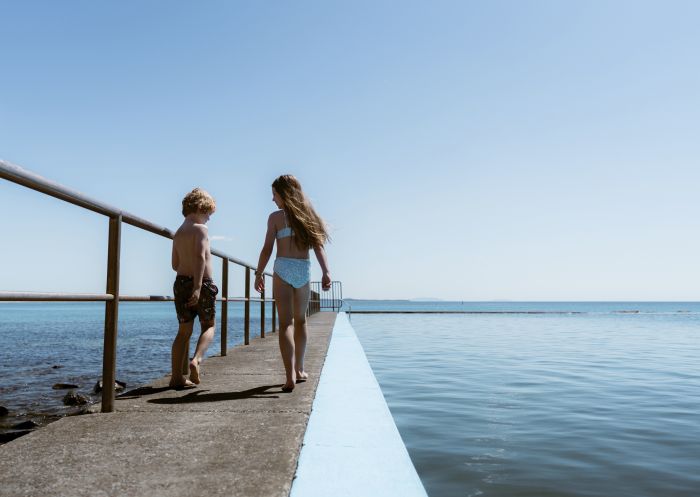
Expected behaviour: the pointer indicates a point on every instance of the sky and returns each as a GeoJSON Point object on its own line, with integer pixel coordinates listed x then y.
{"type": "Point", "coordinates": [461, 150]}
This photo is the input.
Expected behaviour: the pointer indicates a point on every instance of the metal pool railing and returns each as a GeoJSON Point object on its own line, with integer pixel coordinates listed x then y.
{"type": "Point", "coordinates": [331, 299]}
{"type": "Point", "coordinates": [111, 297]}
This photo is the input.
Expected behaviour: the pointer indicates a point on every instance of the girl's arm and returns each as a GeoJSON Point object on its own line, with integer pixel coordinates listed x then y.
{"type": "Point", "coordinates": [323, 262]}
{"type": "Point", "coordinates": [265, 254]}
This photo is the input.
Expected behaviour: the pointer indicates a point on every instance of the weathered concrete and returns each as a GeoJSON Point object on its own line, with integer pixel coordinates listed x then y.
{"type": "Point", "coordinates": [237, 434]}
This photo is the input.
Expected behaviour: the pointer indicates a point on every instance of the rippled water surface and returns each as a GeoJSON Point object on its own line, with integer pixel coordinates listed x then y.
{"type": "Point", "coordinates": [47, 343]}
{"type": "Point", "coordinates": [603, 403]}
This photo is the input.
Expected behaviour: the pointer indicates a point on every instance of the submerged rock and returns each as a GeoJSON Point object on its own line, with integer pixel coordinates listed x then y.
{"type": "Point", "coordinates": [63, 386]}
{"type": "Point", "coordinates": [25, 425]}
{"type": "Point", "coordinates": [118, 386]}
{"type": "Point", "coordinates": [4, 411]}
{"type": "Point", "coordinates": [75, 399]}
{"type": "Point", "coordinates": [56, 366]}
{"type": "Point", "coordinates": [8, 436]}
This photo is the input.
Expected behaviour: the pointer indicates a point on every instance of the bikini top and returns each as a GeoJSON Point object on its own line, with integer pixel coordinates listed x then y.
{"type": "Point", "coordinates": [286, 231]}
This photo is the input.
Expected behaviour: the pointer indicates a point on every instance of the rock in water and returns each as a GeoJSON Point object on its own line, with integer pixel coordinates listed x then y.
{"type": "Point", "coordinates": [75, 399]}
{"type": "Point", "coordinates": [8, 436]}
{"type": "Point", "coordinates": [26, 425]}
{"type": "Point", "coordinates": [118, 386]}
{"type": "Point", "coordinates": [64, 386]}
{"type": "Point", "coordinates": [4, 411]}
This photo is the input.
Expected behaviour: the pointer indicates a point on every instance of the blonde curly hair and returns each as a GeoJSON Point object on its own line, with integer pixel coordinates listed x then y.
{"type": "Point", "coordinates": [196, 201]}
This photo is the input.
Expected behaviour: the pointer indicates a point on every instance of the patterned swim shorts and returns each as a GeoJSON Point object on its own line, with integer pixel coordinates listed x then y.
{"type": "Point", "coordinates": [205, 308]}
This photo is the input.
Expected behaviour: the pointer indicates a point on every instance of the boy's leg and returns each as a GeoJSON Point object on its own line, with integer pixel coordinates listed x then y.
{"type": "Point", "coordinates": [178, 353]}
{"type": "Point", "coordinates": [186, 357]}
{"type": "Point", "coordinates": [205, 338]}
{"type": "Point", "coordinates": [283, 299]}
{"type": "Point", "coordinates": [301, 303]}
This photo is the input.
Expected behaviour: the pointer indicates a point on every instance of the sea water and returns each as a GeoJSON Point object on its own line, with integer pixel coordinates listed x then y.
{"type": "Point", "coordinates": [509, 399]}
{"type": "Point", "coordinates": [565, 399]}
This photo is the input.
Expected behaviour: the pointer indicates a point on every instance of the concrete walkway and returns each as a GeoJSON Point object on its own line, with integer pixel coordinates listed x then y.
{"type": "Point", "coordinates": [352, 447]}
{"type": "Point", "coordinates": [237, 434]}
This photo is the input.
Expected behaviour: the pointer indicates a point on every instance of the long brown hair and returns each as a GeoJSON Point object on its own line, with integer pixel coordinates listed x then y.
{"type": "Point", "coordinates": [309, 229]}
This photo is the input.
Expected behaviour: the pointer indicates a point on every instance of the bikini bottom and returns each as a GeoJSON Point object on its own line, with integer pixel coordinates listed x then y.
{"type": "Point", "coordinates": [296, 272]}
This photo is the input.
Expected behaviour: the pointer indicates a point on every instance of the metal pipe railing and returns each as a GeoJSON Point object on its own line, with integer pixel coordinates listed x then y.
{"type": "Point", "coordinates": [109, 358]}
{"type": "Point", "coordinates": [54, 297]}
{"type": "Point", "coordinates": [224, 307]}
{"type": "Point", "coordinates": [246, 311]}
{"type": "Point", "coordinates": [33, 181]}
{"type": "Point", "coordinates": [331, 299]}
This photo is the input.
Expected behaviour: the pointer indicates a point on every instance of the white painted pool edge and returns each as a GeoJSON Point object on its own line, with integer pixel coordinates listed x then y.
{"type": "Point", "coordinates": [352, 446]}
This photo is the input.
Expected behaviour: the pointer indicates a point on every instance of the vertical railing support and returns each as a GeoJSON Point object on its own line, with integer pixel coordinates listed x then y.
{"type": "Point", "coordinates": [224, 307]}
{"type": "Point", "coordinates": [109, 358]}
{"type": "Point", "coordinates": [262, 312]}
{"type": "Point", "coordinates": [274, 309]}
{"type": "Point", "coordinates": [246, 326]}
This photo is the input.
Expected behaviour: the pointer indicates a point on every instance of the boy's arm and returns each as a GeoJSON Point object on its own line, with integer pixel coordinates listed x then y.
{"type": "Point", "coordinates": [175, 258]}
{"type": "Point", "coordinates": [201, 250]}
{"type": "Point", "coordinates": [265, 254]}
{"type": "Point", "coordinates": [323, 262]}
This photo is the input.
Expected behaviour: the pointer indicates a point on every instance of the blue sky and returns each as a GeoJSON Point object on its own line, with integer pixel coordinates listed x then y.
{"type": "Point", "coordinates": [541, 150]}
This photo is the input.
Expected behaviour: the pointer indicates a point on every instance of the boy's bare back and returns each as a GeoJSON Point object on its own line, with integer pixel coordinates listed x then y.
{"type": "Point", "coordinates": [191, 249]}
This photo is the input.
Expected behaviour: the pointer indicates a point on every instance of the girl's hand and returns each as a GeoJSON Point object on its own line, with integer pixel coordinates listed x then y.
{"type": "Point", "coordinates": [326, 282]}
{"type": "Point", "coordinates": [259, 283]}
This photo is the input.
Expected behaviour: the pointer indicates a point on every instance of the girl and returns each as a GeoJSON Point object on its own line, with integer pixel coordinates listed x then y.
{"type": "Point", "coordinates": [297, 228]}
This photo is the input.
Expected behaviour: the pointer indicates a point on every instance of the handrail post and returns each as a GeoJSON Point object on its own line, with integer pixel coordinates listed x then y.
{"type": "Point", "coordinates": [109, 358]}
{"type": "Point", "coordinates": [224, 307]}
{"type": "Point", "coordinates": [246, 332]}
{"type": "Point", "coordinates": [274, 309]}
{"type": "Point", "coordinates": [262, 311]}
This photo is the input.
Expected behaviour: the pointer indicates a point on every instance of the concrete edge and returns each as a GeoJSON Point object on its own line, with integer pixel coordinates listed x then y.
{"type": "Point", "coordinates": [352, 446]}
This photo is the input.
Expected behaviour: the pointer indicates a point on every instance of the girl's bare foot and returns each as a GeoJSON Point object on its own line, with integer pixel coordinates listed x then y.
{"type": "Point", "coordinates": [289, 385]}
{"type": "Point", "coordinates": [182, 384]}
{"type": "Point", "coordinates": [194, 371]}
{"type": "Point", "coordinates": [302, 376]}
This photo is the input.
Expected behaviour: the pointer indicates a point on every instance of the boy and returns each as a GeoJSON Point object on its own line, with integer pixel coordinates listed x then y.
{"type": "Point", "coordinates": [194, 289]}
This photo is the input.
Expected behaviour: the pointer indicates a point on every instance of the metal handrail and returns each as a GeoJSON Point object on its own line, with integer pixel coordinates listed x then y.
{"type": "Point", "coordinates": [325, 299]}
{"type": "Point", "coordinates": [21, 176]}
{"type": "Point", "coordinates": [102, 297]}
{"type": "Point", "coordinates": [54, 297]}
{"type": "Point", "coordinates": [33, 181]}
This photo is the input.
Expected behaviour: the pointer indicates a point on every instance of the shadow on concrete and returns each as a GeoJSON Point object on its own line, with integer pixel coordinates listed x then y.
{"type": "Point", "coordinates": [201, 396]}
{"type": "Point", "coordinates": [139, 392]}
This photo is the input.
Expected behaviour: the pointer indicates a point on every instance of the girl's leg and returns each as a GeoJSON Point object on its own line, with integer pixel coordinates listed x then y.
{"type": "Point", "coordinates": [301, 303]}
{"type": "Point", "coordinates": [283, 299]}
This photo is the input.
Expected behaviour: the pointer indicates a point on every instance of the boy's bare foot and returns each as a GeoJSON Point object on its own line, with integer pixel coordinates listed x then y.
{"type": "Point", "coordinates": [194, 371]}
{"type": "Point", "coordinates": [302, 376]}
{"type": "Point", "coordinates": [182, 385]}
